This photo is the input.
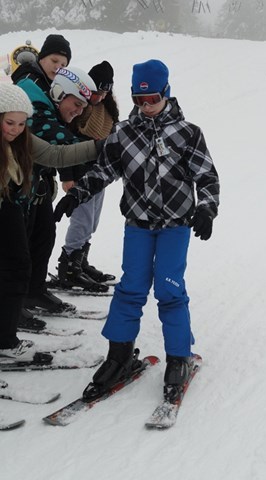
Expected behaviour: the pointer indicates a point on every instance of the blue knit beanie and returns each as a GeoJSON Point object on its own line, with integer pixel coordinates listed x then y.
{"type": "Point", "coordinates": [150, 77]}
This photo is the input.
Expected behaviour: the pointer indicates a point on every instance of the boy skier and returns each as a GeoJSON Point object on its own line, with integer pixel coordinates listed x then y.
{"type": "Point", "coordinates": [161, 158]}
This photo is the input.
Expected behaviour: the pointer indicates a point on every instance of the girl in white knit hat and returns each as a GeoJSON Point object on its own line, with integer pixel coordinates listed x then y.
{"type": "Point", "coordinates": [18, 150]}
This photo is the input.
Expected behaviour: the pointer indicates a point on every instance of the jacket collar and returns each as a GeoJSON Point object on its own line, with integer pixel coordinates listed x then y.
{"type": "Point", "coordinates": [172, 113]}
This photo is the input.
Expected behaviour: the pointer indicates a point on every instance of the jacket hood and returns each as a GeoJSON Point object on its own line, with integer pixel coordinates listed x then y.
{"type": "Point", "coordinates": [27, 69]}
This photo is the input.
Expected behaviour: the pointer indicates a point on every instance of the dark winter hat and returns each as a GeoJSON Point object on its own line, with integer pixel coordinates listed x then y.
{"type": "Point", "coordinates": [55, 44]}
{"type": "Point", "coordinates": [150, 77]}
{"type": "Point", "coordinates": [102, 75]}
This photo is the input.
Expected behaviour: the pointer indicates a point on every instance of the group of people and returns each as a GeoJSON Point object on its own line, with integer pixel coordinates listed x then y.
{"type": "Point", "coordinates": [58, 95]}
{"type": "Point", "coordinates": [63, 116]}
{"type": "Point", "coordinates": [162, 160]}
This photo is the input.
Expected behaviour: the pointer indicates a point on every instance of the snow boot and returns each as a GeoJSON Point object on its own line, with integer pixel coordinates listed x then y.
{"type": "Point", "coordinates": [92, 271]}
{"type": "Point", "coordinates": [25, 350]}
{"type": "Point", "coordinates": [27, 321]}
{"type": "Point", "coordinates": [176, 375]}
{"type": "Point", "coordinates": [116, 367]}
{"type": "Point", "coordinates": [70, 273]}
{"type": "Point", "coordinates": [47, 301]}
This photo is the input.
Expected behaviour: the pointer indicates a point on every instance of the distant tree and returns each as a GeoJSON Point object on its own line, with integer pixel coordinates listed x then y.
{"type": "Point", "coordinates": [242, 19]}
{"type": "Point", "coordinates": [177, 16]}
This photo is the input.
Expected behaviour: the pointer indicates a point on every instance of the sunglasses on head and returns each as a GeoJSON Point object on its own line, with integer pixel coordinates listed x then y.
{"type": "Point", "coordinates": [105, 87]}
{"type": "Point", "coordinates": [96, 97]}
{"type": "Point", "coordinates": [140, 99]}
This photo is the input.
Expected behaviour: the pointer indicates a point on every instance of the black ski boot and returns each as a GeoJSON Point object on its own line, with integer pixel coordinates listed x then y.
{"type": "Point", "coordinates": [92, 271]}
{"type": "Point", "coordinates": [28, 322]}
{"type": "Point", "coordinates": [176, 375]}
{"type": "Point", "coordinates": [70, 273]}
{"type": "Point", "coordinates": [47, 301]}
{"type": "Point", "coordinates": [116, 367]}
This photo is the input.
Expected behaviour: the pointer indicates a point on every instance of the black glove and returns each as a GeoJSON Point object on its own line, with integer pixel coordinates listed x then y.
{"type": "Point", "coordinates": [202, 223]}
{"type": "Point", "coordinates": [65, 205]}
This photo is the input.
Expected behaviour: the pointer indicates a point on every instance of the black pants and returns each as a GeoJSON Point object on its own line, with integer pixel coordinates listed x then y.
{"type": "Point", "coordinates": [41, 236]}
{"type": "Point", "coordinates": [15, 270]}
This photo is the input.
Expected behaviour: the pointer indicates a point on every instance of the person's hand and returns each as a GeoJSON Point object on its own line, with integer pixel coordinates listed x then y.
{"type": "Point", "coordinates": [201, 223]}
{"type": "Point", "coordinates": [67, 185]}
{"type": "Point", "coordinates": [66, 205]}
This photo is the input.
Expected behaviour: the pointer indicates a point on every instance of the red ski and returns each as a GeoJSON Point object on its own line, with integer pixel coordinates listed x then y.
{"type": "Point", "coordinates": [67, 414]}
{"type": "Point", "coordinates": [165, 414]}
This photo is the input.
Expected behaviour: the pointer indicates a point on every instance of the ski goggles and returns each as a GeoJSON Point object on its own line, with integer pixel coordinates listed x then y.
{"type": "Point", "coordinates": [140, 99]}
{"type": "Point", "coordinates": [150, 98]}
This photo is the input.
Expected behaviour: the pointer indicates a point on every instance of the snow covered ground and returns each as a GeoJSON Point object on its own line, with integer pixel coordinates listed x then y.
{"type": "Point", "coordinates": [221, 428]}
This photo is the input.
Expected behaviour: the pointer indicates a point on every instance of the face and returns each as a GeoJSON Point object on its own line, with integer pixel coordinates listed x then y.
{"type": "Point", "coordinates": [153, 110]}
{"type": "Point", "coordinates": [13, 125]}
{"type": "Point", "coordinates": [51, 63]}
{"type": "Point", "coordinates": [70, 107]}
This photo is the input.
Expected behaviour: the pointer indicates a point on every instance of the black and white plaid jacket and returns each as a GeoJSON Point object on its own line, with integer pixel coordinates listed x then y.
{"type": "Point", "coordinates": [127, 152]}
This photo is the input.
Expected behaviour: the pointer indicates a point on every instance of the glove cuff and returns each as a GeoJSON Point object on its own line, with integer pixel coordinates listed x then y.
{"type": "Point", "coordinates": [207, 209]}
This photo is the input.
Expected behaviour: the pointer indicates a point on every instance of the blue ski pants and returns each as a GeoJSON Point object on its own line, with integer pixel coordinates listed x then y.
{"type": "Point", "coordinates": [155, 257]}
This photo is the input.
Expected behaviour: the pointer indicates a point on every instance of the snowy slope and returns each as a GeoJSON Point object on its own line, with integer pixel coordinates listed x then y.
{"type": "Point", "coordinates": [220, 433]}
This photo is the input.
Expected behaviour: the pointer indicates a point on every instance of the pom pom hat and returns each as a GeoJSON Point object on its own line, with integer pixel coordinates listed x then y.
{"type": "Point", "coordinates": [14, 99]}
{"type": "Point", "coordinates": [150, 77]}
{"type": "Point", "coordinates": [55, 44]}
{"type": "Point", "coordinates": [103, 75]}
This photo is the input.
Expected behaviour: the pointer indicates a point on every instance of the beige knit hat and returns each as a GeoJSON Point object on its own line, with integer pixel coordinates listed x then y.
{"type": "Point", "coordinates": [14, 99]}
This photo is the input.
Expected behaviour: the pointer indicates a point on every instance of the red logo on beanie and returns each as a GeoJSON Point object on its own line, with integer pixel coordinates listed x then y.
{"type": "Point", "coordinates": [144, 86]}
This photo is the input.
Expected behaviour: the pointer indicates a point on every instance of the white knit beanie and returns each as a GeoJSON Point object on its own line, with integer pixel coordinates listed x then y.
{"type": "Point", "coordinates": [14, 99]}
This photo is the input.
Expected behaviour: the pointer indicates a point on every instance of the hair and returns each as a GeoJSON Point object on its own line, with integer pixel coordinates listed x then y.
{"type": "Point", "coordinates": [111, 106]}
{"type": "Point", "coordinates": [109, 103]}
{"type": "Point", "coordinates": [21, 149]}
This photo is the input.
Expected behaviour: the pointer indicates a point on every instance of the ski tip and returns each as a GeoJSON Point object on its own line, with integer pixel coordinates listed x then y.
{"type": "Point", "coordinates": [54, 398]}
{"type": "Point", "coordinates": [56, 419]}
{"type": "Point", "coordinates": [50, 421]}
{"type": "Point", "coordinates": [152, 426]}
{"type": "Point", "coordinates": [12, 426]}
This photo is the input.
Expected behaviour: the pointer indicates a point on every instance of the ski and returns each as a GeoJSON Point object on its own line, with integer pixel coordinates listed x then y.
{"type": "Point", "coordinates": [5, 425]}
{"type": "Point", "coordinates": [54, 281]}
{"type": "Point", "coordinates": [77, 292]}
{"type": "Point", "coordinates": [165, 414]}
{"type": "Point", "coordinates": [11, 393]}
{"type": "Point", "coordinates": [67, 414]}
{"type": "Point", "coordinates": [54, 363]}
{"type": "Point", "coordinates": [58, 332]}
{"type": "Point", "coordinates": [54, 285]}
{"type": "Point", "coordinates": [78, 314]}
